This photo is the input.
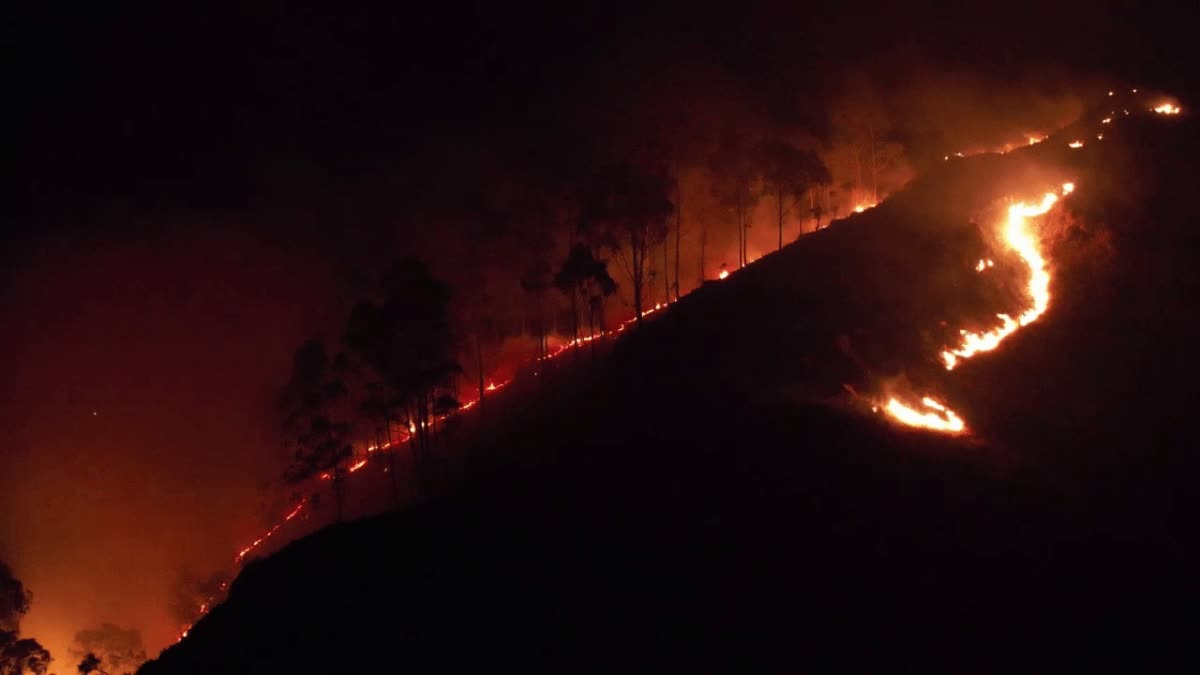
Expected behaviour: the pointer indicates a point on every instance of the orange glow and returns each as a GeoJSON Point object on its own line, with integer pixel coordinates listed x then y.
{"type": "Point", "coordinates": [1167, 109]}
{"type": "Point", "coordinates": [1106, 120]}
{"type": "Point", "coordinates": [723, 274]}
{"type": "Point", "coordinates": [1075, 144]}
{"type": "Point", "coordinates": [935, 416]}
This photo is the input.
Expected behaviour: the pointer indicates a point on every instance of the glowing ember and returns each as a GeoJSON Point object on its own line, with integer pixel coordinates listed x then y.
{"type": "Point", "coordinates": [1099, 137]}
{"type": "Point", "coordinates": [983, 264]}
{"type": "Point", "coordinates": [723, 274]}
{"type": "Point", "coordinates": [1167, 109]}
{"type": "Point", "coordinates": [1075, 144]}
{"type": "Point", "coordinates": [859, 208]}
{"type": "Point", "coordinates": [935, 416]}
{"type": "Point", "coordinates": [1106, 120]}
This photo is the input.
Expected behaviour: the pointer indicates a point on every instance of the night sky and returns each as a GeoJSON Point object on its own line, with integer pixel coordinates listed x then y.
{"type": "Point", "coordinates": [190, 191]}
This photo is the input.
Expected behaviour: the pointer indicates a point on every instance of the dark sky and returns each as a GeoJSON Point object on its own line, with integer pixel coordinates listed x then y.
{"type": "Point", "coordinates": [190, 189]}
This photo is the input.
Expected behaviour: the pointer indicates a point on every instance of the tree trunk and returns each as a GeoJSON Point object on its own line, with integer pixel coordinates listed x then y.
{"type": "Point", "coordinates": [780, 188]}
{"type": "Point", "coordinates": [639, 257]}
{"type": "Point", "coordinates": [678, 226]}
{"type": "Point", "coordinates": [703, 246]}
{"type": "Point", "coordinates": [666, 276]}
{"type": "Point", "coordinates": [874, 168]}
{"type": "Point", "coordinates": [575, 321]}
{"type": "Point", "coordinates": [592, 327]}
{"type": "Point", "coordinates": [391, 450]}
{"type": "Point", "coordinates": [479, 367]}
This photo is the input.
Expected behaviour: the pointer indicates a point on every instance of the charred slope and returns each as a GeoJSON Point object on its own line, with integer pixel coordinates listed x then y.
{"type": "Point", "coordinates": [706, 501]}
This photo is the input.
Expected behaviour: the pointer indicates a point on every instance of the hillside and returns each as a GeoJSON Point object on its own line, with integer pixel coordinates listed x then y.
{"type": "Point", "coordinates": [710, 497]}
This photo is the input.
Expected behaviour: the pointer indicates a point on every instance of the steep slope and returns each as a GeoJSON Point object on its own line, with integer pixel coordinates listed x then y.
{"type": "Point", "coordinates": [710, 497]}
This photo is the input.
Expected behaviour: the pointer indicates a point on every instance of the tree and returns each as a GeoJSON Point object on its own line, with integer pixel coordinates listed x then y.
{"type": "Point", "coordinates": [320, 442]}
{"type": "Point", "coordinates": [109, 648]}
{"type": "Point", "coordinates": [788, 173]}
{"type": "Point", "coordinates": [17, 655]}
{"type": "Point", "coordinates": [535, 281]}
{"type": "Point", "coordinates": [583, 276]}
{"type": "Point", "coordinates": [24, 656]}
{"type": "Point", "coordinates": [407, 343]}
{"type": "Point", "coordinates": [90, 664]}
{"type": "Point", "coordinates": [629, 215]}
{"type": "Point", "coordinates": [736, 185]}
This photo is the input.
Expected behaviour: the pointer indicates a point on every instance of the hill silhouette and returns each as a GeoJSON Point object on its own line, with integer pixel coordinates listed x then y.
{"type": "Point", "coordinates": [711, 497]}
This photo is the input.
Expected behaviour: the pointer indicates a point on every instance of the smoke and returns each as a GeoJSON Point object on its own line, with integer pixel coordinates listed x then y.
{"type": "Point", "coordinates": [119, 650]}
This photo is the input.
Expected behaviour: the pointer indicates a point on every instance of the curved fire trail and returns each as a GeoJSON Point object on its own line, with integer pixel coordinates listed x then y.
{"type": "Point", "coordinates": [1018, 236]}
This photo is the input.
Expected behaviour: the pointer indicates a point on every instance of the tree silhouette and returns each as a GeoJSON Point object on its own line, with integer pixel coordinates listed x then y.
{"type": "Point", "coordinates": [535, 281]}
{"type": "Point", "coordinates": [584, 277]}
{"type": "Point", "coordinates": [628, 214]}
{"type": "Point", "coordinates": [320, 443]}
{"type": "Point", "coordinates": [26, 655]}
{"type": "Point", "coordinates": [788, 173]}
{"type": "Point", "coordinates": [408, 345]}
{"type": "Point", "coordinates": [17, 655]}
{"type": "Point", "coordinates": [90, 664]}
{"type": "Point", "coordinates": [736, 184]}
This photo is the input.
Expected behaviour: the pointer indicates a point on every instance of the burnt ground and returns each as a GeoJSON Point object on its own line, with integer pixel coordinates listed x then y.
{"type": "Point", "coordinates": [708, 497]}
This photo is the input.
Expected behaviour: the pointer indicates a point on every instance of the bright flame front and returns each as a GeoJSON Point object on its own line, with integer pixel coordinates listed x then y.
{"type": "Point", "coordinates": [935, 416]}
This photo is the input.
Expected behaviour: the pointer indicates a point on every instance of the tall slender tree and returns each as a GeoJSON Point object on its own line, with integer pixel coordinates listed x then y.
{"type": "Point", "coordinates": [789, 173]}
{"type": "Point", "coordinates": [630, 214]}
{"type": "Point", "coordinates": [320, 440]}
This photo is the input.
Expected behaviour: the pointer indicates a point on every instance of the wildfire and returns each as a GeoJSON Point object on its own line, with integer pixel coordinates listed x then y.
{"type": "Point", "coordinates": [723, 274]}
{"type": "Point", "coordinates": [1019, 238]}
{"type": "Point", "coordinates": [1075, 145]}
{"type": "Point", "coordinates": [1167, 109]}
{"type": "Point", "coordinates": [936, 416]}
{"type": "Point", "coordinates": [1017, 234]}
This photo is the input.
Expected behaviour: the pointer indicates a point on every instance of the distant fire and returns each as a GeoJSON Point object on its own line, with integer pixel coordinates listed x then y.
{"type": "Point", "coordinates": [1167, 109]}
{"type": "Point", "coordinates": [723, 274]}
{"type": "Point", "coordinates": [1075, 144]}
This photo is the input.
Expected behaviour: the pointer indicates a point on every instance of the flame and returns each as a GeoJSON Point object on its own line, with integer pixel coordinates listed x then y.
{"type": "Point", "coordinates": [1167, 109]}
{"type": "Point", "coordinates": [723, 274]}
{"type": "Point", "coordinates": [937, 417]}
{"type": "Point", "coordinates": [859, 208]}
{"type": "Point", "coordinates": [1106, 120]}
{"type": "Point", "coordinates": [1020, 239]}
{"type": "Point", "coordinates": [1075, 144]}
